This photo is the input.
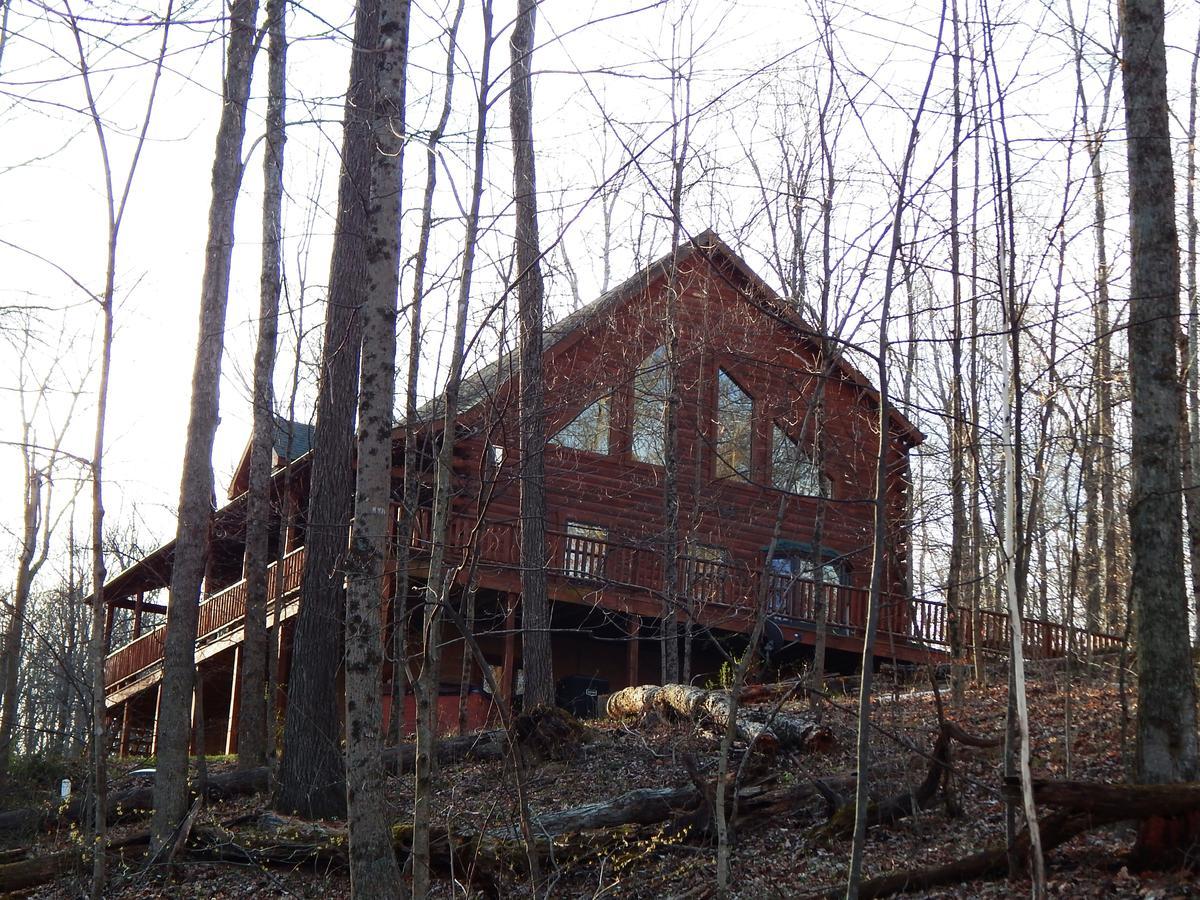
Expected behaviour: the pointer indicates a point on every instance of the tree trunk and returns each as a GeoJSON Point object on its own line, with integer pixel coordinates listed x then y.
{"type": "Point", "coordinates": [311, 773]}
{"type": "Point", "coordinates": [373, 871]}
{"type": "Point", "coordinates": [1166, 724]}
{"type": "Point", "coordinates": [252, 714]}
{"type": "Point", "coordinates": [882, 462]}
{"type": "Point", "coordinates": [437, 590]}
{"type": "Point", "coordinates": [412, 475]}
{"type": "Point", "coordinates": [535, 619]}
{"type": "Point", "coordinates": [196, 486]}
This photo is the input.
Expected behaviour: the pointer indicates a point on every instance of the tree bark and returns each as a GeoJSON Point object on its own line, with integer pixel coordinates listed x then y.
{"type": "Point", "coordinates": [373, 871]}
{"type": "Point", "coordinates": [311, 773]}
{"type": "Point", "coordinates": [535, 604]}
{"type": "Point", "coordinates": [437, 588]}
{"type": "Point", "coordinates": [252, 714]}
{"type": "Point", "coordinates": [1166, 724]}
{"type": "Point", "coordinates": [196, 485]}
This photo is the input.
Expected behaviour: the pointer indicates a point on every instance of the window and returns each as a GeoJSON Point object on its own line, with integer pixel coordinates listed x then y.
{"type": "Point", "coordinates": [584, 551]}
{"type": "Point", "coordinates": [735, 418]}
{"type": "Point", "coordinates": [792, 470]}
{"type": "Point", "coordinates": [587, 431]}
{"type": "Point", "coordinates": [706, 572]}
{"type": "Point", "coordinates": [650, 386]}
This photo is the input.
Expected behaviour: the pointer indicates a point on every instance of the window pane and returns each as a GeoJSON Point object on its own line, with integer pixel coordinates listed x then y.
{"type": "Point", "coordinates": [588, 430]}
{"type": "Point", "coordinates": [584, 551]}
{"type": "Point", "coordinates": [792, 470]}
{"type": "Point", "coordinates": [735, 416]}
{"type": "Point", "coordinates": [650, 409]}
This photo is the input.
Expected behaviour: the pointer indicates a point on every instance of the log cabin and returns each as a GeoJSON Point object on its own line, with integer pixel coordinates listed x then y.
{"type": "Point", "coordinates": [776, 448]}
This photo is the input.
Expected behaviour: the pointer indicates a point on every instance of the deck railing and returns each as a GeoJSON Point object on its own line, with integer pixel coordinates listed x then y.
{"type": "Point", "coordinates": [715, 589]}
{"type": "Point", "coordinates": [912, 622]}
{"type": "Point", "coordinates": [220, 613]}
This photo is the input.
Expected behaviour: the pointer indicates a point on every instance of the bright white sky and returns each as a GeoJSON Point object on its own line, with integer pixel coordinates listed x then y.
{"type": "Point", "coordinates": [601, 84]}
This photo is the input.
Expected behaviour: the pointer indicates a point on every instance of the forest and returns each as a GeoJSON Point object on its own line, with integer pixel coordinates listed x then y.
{"type": "Point", "coordinates": [978, 214]}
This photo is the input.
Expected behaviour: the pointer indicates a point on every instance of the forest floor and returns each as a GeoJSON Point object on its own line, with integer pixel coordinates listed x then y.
{"type": "Point", "coordinates": [781, 857]}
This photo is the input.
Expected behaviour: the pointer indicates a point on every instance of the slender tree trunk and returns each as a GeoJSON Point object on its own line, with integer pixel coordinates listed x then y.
{"type": "Point", "coordinates": [884, 455]}
{"type": "Point", "coordinates": [958, 424]}
{"type": "Point", "coordinates": [412, 474]}
{"type": "Point", "coordinates": [1166, 724]}
{"type": "Point", "coordinates": [252, 712]}
{"type": "Point", "coordinates": [311, 773]}
{"type": "Point", "coordinates": [196, 486]}
{"type": "Point", "coordinates": [438, 587]}
{"type": "Point", "coordinates": [373, 869]}
{"type": "Point", "coordinates": [535, 605]}
{"type": "Point", "coordinates": [1192, 448]}
{"type": "Point", "coordinates": [27, 565]}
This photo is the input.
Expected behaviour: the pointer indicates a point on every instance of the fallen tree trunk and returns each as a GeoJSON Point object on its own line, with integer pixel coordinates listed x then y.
{"type": "Point", "coordinates": [1055, 829]}
{"type": "Point", "coordinates": [712, 709]}
{"type": "Point", "coordinates": [1114, 801]}
{"type": "Point", "coordinates": [138, 801]}
{"type": "Point", "coordinates": [1079, 807]}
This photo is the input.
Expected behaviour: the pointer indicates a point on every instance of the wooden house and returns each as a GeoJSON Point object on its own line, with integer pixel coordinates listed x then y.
{"type": "Point", "coordinates": [769, 514]}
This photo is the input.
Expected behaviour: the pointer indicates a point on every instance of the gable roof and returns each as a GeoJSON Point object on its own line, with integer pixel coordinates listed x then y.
{"type": "Point", "coordinates": [707, 246]}
{"type": "Point", "coordinates": [289, 441]}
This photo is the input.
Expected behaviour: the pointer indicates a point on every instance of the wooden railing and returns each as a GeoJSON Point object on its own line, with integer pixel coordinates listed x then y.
{"type": "Point", "coordinates": [219, 614]}
{"type": "Point", "coordinates": [907, 623]}
{"type": "Point", "coordinates": [907, 626]}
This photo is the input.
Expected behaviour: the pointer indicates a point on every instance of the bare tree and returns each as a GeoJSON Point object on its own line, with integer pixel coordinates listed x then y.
{"type": "Point", "coordinates": [252, 716]}
{"type": "Point", "coordinates": [373, 870]}
{"type": "Point", "coordinates": [535, 605]}
{"type": "Point", "coordinates": [312, 773]}
{"type": "Point", "coordinates": [437, 588]}
{"type": "Point", "coordinates": [1166, 723]}
{"type": "Point", "coordinates": [196, 484]}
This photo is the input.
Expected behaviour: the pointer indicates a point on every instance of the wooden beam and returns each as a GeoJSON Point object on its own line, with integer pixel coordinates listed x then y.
{"type": "Point", "coordinates": [510, 648]}
{"type": "Point", "coordinates": [235, 702]}
{"type": "Point", "coordinates": [632, 646]}
{"type": "Point", "coordinates": [154, 730]}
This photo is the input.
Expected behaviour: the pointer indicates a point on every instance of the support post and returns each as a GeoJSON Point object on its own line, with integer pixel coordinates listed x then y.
{"type": "Point", "coordinates": [108, 628]}
{"type": "Point", "coordinates": [154, 730]}
{"type": "Point", "coordinates": [123, 743]}
{"type": "Point", "coordinates": [632, 646]}
{"type": "Point", "coordinates": [137, 615]}
{"type": "Point", "coordinates": [510, 649]}
{"type": "Point", "coordinates": [235, 702]}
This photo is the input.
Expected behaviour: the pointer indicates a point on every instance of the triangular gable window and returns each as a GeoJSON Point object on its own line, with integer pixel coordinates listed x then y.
{"type": "Point", "coordinates": [588, 431]}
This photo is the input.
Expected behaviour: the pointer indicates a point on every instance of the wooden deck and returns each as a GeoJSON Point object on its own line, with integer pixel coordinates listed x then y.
{"type": "Point", "coordinates": [628, 577]}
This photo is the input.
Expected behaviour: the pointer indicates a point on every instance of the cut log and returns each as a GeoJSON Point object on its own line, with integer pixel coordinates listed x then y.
{"type": "Point", "coordinates": [712, 710]}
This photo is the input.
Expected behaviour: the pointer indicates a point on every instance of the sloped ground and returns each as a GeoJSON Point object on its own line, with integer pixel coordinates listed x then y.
{"type": "Point", "coordinates": [772, 858]}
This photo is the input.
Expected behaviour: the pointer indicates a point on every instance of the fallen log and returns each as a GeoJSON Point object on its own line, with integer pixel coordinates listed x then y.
{"type": "Point", "coordinates": [1078, 807]}
{"type": "Point", "coordinates": [138, 801]}
{"type": "Point", "coordinates": [1055, 829]}
{"type": "Point", "coordinates": [1113, 801]}
{"type": "Point", "coordinates": [712, 709]}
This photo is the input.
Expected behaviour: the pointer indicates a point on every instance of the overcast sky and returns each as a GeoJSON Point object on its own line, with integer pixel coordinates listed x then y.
{"type": "Point", "coordinates": [602, 91]}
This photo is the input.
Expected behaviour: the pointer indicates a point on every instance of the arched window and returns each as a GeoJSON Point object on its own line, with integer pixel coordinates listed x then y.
{"type": "Point", "coordinates": [650, 386]}
{"type": "Point", "coordinates": [588, 431]}
{"type": "Point", "coordinates": [792, 470]}
{"type": "Point", "coordinates": [735, 421]}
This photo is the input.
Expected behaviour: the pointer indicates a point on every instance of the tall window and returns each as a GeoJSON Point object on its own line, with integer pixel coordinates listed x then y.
{"type": "Point", "coordinates": [792, 470]}
{"type": "Point", "coordinates": [588, 430]}
{"type": "Point", "coordinates": [650, 387]}
{"type": "Point", "coordinates": [735, 418]}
